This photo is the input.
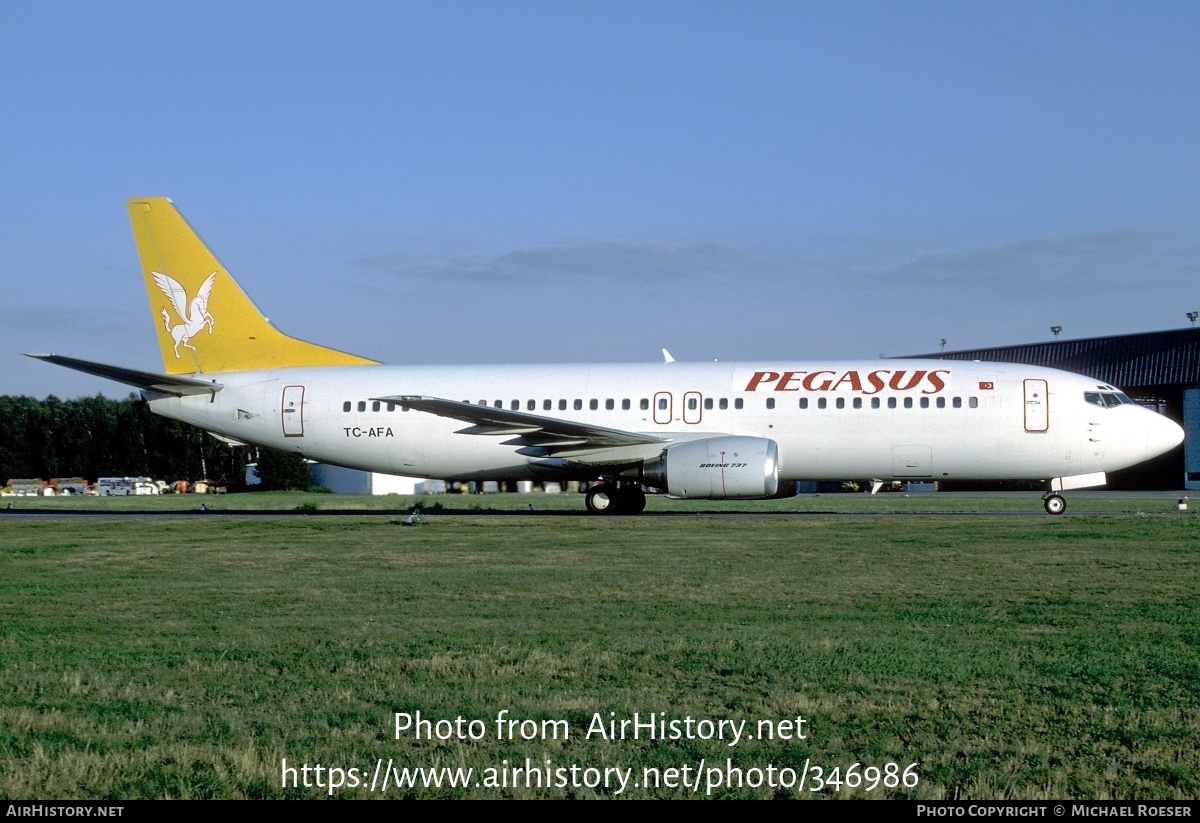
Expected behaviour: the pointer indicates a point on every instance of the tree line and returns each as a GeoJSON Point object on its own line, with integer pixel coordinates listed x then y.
{"type": "Point", "coordinates": [97, 437]}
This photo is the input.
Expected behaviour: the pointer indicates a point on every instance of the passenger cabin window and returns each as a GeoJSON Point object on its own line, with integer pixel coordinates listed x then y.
{"type": "Point", "coordinates": [662, 404]}
{"type": "Point", "coordinates": [578, 404]}
{"type": "Point", "coordinates": [531, 405]}
{"type": "Point", "coordinates": [941, 402]}
{"type": "Point", "coordinates": [858, 402]}
{"type": "Point", "coordinates": [973, 402]}
{"type": "Point", "coordinates": [375, 405]}
{"type": "Point", "coordinates": [610, 404]}
{"type": "Point", "coordinates": [804, 402]}
{"type": "Point", "coordinates": [593, 404]}
{"type": "Point", "coordinates": [562, 405]}
{"type": "Point", "coordinates": [644, 405]}
{"type": "Point", "coordinates": [346, 406]}
{"type": "Point", "coordinates": [821, 402]}
{"type": "Point", "coordinates": [891, 402]}
{"type": "Point", "coordinates": [724, 404]}
{"type": "Point", "coordinates": [874, 402]}
{"type": "Point", "coordinates": [547, 405]}
{"type": "Point", "coordinates": [924, 402]}
{"type": "Point", "coordinates": [693, 404]}
{"type": "Point", "coordinates": [515, 405]}
{"type": "Point", "coordinates": [956, 402]}
{"type": "Point", "coordinates": [840, 402]}
{"type": "Point", "coordinates": [770, 402]}
{"type": "Point", "coordinates": [625, 404]}
{"type": "Point", "coordinates": [737, 404]}
{"type": "Point", "coordinates": [362, 405]}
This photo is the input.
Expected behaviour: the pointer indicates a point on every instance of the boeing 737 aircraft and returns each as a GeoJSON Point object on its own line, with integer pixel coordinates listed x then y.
{"type": "Point", "coordinates": [698, 431]}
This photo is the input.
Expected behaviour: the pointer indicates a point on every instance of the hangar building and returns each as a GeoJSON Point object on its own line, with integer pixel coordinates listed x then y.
{"type": "Point", "coordinates": [1160, 370]}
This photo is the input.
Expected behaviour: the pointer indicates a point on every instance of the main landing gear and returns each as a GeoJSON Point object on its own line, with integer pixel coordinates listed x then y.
{"type": "Point", "coordinates": [609, 498]}
{"type": "Point", "coordinates": [1054, 503]}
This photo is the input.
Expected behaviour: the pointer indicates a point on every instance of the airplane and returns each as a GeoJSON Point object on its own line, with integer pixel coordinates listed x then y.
{"type": "Point", "coordinates": [690, 430]}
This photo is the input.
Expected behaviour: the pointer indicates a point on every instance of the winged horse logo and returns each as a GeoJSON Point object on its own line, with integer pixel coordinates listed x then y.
{"type": "Point", "coordinates": [194, 315]}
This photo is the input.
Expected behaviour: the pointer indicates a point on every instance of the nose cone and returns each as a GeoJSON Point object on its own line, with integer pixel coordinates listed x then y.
{"type": "Point", "coordinates": [1162, 434]}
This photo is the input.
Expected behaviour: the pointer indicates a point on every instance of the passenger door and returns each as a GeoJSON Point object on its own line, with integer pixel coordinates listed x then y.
{"type": "Point", "coordinates": [293, 411]}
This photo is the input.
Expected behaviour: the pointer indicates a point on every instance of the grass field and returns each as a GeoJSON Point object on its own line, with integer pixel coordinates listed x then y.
{"type": "Point", "coordinates": [1006, 656]}
{"type": "Point", "coordinates": [1089, 502]}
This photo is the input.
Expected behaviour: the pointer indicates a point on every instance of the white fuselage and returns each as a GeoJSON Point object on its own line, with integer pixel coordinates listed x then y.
{"type": "Point", "coordinates": [885, 419]}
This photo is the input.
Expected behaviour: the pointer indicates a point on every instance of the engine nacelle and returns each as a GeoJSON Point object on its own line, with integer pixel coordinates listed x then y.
{"type": "Point", "coordinates": [719, 467]}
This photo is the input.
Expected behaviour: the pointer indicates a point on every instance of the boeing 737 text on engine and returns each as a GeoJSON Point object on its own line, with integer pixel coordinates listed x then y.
{"type": "Point", "coordinates": [703, 430]}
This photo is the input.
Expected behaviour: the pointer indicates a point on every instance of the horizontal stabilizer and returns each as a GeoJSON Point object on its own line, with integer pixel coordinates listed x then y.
{"type": "Point", "coordinates": [165, 384]}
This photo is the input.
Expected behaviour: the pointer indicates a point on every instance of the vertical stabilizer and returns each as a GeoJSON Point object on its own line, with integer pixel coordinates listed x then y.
{"type": "Point", "coordinates": [204, 321]}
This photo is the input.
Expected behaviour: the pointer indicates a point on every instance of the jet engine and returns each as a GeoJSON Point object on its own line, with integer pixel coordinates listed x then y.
{"type": "Point", "coordinates": [716, 468]}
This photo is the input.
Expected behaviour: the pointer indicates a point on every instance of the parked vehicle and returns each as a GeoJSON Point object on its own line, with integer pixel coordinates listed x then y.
{"type": "Point", "coordinates": [113, 486]}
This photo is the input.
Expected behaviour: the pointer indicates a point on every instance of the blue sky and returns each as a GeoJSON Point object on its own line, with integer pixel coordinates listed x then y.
{"type": "Point", "coordinates": [489, 182]}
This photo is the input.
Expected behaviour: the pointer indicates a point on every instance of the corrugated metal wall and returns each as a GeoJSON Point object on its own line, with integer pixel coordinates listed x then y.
{"type": "Point", "coordinates": [1153, 359]}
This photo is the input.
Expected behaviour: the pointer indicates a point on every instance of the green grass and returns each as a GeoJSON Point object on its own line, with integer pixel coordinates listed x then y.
{"type": "Point", "coordinates": [1009, 657]}
{"type": "Point", "coordinates": [861, 503]}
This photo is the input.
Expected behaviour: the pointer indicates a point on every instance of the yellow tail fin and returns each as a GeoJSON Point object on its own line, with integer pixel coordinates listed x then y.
{"type": "Point", "coordinates": [205, 322]}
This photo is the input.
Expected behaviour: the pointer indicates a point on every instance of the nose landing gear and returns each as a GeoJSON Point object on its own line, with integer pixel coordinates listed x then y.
{"type": "Point", "coordinates": [1054, 503]}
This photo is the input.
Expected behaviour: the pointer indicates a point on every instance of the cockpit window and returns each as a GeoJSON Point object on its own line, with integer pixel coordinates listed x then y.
{"type": "Point", "coordinates": [1105, 399]}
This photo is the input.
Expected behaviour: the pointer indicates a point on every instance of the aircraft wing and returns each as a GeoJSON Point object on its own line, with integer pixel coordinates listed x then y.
{"type": "Point", "coordinates": [162, 383]}
{"type": "Point", "coordinates": [540, 435]}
